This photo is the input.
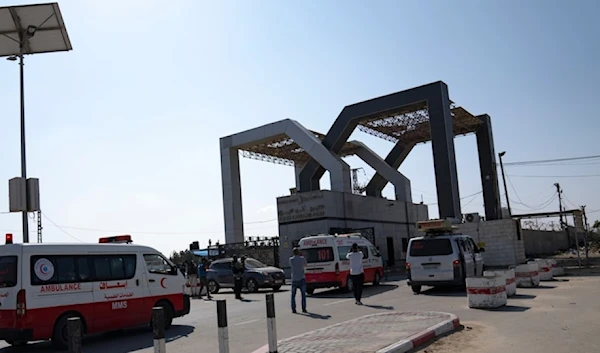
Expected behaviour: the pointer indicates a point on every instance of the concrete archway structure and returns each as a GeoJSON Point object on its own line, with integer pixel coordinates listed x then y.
{"type": "Point", "coordinates": [288, 142]}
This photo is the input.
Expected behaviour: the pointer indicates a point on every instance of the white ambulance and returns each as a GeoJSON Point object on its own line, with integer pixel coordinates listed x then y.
{"type": "Point", "coordinates": [110, 286]}
{"type": "Point", "coordinates": [442, 257]}
{"type": "Point", "coordinates": [327, 265]}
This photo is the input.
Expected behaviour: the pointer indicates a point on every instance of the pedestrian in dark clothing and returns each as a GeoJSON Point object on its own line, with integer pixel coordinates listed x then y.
{"type": "Point", "coordinates": [202, 268]}
{"type": "Point", "coordinates": [238, 276]}
{"type": "Point", "coordinates": [356, 272]}
{"type": "Point", "coordinates": [297, 264]}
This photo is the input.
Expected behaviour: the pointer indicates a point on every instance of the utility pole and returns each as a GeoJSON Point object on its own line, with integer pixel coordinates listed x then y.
{"type": "Point", "coordinates": [587, 235]}
{"type": "Point", "coordinates": [560, 207]}
{"type": "Point", "coordinates": [500, 155]}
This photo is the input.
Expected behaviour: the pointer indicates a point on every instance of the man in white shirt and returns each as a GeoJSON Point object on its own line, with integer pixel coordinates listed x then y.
{"type": "Point", "coordinates": [356, 271]}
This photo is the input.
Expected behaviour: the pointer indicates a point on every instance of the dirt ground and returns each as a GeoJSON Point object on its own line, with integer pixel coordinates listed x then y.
{"type": "Point", "coordinates": [468, 339]}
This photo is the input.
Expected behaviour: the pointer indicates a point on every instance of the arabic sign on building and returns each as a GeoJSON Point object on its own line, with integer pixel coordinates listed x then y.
{"type": "Point", "coordinates": [300, 207]}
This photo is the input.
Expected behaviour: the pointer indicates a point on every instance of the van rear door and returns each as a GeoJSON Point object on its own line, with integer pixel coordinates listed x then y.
{"type": "Point", "coordinates": [431, 259]}
{"type": "Point", "coordinates": [9, 287]}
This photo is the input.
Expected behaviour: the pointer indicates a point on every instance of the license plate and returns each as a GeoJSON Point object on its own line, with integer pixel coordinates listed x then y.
{"type": "Point", "coordinates": [428, 267]}
{"type": "Point", "coordinates": [278, 281]}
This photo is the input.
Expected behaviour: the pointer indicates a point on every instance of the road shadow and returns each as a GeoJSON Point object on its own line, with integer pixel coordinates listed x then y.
{"type": "Point", "coordinates": [316, 316]}
{"type": "Point", "coordinates": [543, 286]}
{"type": "Point", "coordinates": [368, 291]}
{"type": "Point", "coordinates": [523, 296]}
{"type": "Point", "coordinates": [559, 280]}
{"type": "Point", "coordinates": [380, 307]}
{"type": "Point", "coordinates": [445, 292]}
{"type": "Point", "coordinates": [511, 309]}
{"type": "Point", "coordinates": [124, 341]}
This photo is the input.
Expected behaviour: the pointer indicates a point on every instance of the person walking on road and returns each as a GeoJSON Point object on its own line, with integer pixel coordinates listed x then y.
{"type": "Point", "coordinates": [203, 282]}
{"type": "Point", "coordinates": [356, 272]}
{"type": "Point", "coordinates": [237, 268]}
{"type": "Point", "coordinates": [297, 264]}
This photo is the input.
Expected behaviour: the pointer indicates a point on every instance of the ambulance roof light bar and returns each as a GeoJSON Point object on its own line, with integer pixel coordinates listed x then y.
{"type": "Point", "coordinates": [436, 226]}
{"type": "Point", "coordinates": [9, 238]}
{"type": "Point", "coordinates": [119, 239]}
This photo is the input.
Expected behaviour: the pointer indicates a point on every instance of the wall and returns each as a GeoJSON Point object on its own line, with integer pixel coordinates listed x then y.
{"type": "Point", "coordinates": [543, 242]}
{"type": "Point", "coordinates": [311, 213]}
{"type": "Point", "coordinates": [501, 239]}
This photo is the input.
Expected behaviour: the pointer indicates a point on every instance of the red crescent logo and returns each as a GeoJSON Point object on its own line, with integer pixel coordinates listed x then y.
{"type": "Point", "coordinates": [162, 283]}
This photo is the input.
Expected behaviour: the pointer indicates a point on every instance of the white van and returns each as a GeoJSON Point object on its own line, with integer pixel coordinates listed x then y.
{"type": "Point", "coordinates": [327, 265]}
{"type": "Point", "coordinates": [441, 257]}
{"type": "Point", "coordinates": [109, 286]}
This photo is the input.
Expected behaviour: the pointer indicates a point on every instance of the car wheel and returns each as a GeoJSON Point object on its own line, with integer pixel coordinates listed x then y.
{"type": "Point", "coordinates": [276, 288]}
{"type": "Point", "coordinates": [377, 279]}
{"type": "Point", "coordinates": [349, 284]}
{"type": "Point", "coordinates": [213, 287]}
{"type": "Point", "coordinates": [252, 285]}
{"type": "Point", "coordinates": [416, 289]}
{"type": "Point", "coordinates": [60, 335]}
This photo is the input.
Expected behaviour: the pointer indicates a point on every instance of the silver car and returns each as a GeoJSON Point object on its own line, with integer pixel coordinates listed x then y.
{"type": "Point", "coordinates": [256, 276]}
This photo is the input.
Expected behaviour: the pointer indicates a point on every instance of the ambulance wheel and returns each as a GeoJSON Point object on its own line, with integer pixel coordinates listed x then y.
{"type": "Point", "coordinates": [60, 336]}
{"type": "Point", "coordinates": [16, 343]}
{"type": "Point", "coordinates": [376, 278]}
{"type": "Point", "coordinates": [169, 313]}
{"type": "Point", "coordinates": [349, 284]}
{"type": "Point", "coordinates": [310, 291]}
{"type": "Point", "coordinates": [416, 289]}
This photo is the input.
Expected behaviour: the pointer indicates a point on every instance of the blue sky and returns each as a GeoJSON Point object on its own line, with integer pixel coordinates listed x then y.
{"type": "Point", "coordinates": [124, 130]}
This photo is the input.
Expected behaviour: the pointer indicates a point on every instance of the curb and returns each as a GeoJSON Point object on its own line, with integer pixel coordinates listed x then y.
{"type": "Point", "coordinates": [405, 345]}
{"type": "Point", "coordinates": [424, 336]}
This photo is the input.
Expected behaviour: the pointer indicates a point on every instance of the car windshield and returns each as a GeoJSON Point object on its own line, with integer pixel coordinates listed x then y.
{"type": "Point", "coordinates": [8, 271]}
{"type": "Point", "coordinates": [252, 263]}
{"type": "Point", "coordinates": [430, 247]}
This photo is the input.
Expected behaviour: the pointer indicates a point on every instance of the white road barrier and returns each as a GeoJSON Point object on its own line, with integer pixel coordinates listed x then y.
{"type": "Point", "coordinates": [556, 271]}
{"type": "Point", "coordinates": [509, 276]}
{"type": "Point", "coordinates": [545, 270]}
{"type": "Point", "coordinates": [527, 276]}
{"type": "Point", "coordinates": [486, 292]}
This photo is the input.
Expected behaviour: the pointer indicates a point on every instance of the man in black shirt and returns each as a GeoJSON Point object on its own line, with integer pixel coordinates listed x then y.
{"type": "Point", "coordinates": [237, 267]}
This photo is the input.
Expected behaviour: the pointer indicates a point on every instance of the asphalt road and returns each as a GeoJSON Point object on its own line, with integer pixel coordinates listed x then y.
{"type": "Point", "coordinates": [559, 317]}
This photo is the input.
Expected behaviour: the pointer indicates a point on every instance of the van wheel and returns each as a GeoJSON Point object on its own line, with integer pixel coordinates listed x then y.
{"type": "Point", "coordinates": [213, 287]}
{"type": "Point", "coordinates": [169, 313]}
{"type": "Point", "coordinates": [416, 289]}
{"type": "Point", "coordinates": [349, 284]}
{"type": "Point", "coordinates": [60, 336]}
{"type": "Point", "coordinates": [377, 279]}
{"type": "Point", "coordinates": [310, 291]}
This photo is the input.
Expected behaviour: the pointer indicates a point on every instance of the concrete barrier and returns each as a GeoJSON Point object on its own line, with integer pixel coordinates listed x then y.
{"type": "Point", "coordinates": [486, 292]}
{"type": "Point", "coordinates": [556, 271]}
{"type": "Point", "coordinates": [544, 269]}
{"type": "Point", "coordinates": [527, 276]}
{"type": "Point", "coordinates": [509, 276]}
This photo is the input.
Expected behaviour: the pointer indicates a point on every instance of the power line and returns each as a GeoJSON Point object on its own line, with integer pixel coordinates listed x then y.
{"type": "Point", "coordinates": [61, 229]}
{"type": "Point", "coordinates": [556, 176]}
{"type": "Point", "coordinates": [552, 160]}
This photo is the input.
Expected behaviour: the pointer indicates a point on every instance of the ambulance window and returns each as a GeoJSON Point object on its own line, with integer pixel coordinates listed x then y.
{"type": "Point", "coordinates": [8, 271]}
{"type": "Point", "coordinates": [102, 268]}
{"type": "Point", "coordinates": [158, 264]}
{"type": "Point", "coordinates": [344, 250]}
{"type": "Point", "coordinates": [84, 269]}
{"type": "Point", "coordinates": [117, 268]}
{"type": "Point", "coordinates": [65, 267]}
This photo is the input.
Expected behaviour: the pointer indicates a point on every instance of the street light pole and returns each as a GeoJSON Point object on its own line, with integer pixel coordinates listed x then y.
{"type": "Point", "coordinates": [23, 150]}
{"type": "Point", "coordinates": [500, 155]}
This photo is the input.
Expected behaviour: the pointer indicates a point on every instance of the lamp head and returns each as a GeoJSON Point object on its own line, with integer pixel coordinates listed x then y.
{"type": "Point", "coordinates": [501, 154]}
{"type": "Point", "coordinates": [30, 31]}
